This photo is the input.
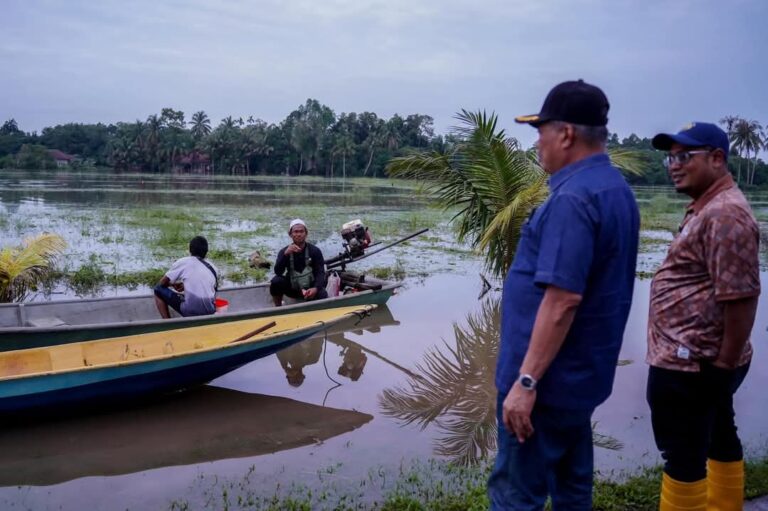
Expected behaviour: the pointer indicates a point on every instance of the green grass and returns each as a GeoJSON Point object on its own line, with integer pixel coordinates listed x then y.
{"type": "Point", "coordinates": [246, 275]}
{"type": "Point", "coordinates": [88, 278]}
{"type": "Point", "coordinates": [132, 280]}
{"type": "Point", "coordinates": [429, 486]}
{"type": "Point", "coordinates": [396, 272]}
{"type": "Point", "coordinates": [264, 230]}
{"type": "Point", "coordinates": [224, 256]}
{"type": "Point", "coordinates": [91, 277]}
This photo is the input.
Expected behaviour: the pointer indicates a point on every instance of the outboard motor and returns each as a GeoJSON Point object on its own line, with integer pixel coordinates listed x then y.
{"type": "Point", "coordinates": [356, 238]}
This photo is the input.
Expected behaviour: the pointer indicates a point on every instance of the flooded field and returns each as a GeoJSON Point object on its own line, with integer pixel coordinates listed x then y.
{"type": "Point", "coordinates": [341, 413]}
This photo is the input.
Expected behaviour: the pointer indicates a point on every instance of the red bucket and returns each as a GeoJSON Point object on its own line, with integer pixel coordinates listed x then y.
{"type": "Point", "coordinates": [221, 305]}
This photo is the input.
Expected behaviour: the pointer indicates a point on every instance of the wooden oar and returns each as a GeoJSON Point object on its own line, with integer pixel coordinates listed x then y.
{"type": "Point", "coordinates": [257, 331]}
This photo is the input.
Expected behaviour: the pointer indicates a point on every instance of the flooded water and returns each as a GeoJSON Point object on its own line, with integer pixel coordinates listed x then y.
{"type": "Point", "coordinates": [346, 409]}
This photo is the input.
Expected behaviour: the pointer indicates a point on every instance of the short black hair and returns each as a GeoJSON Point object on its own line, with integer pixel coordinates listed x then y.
{"type": "Point", "coordinates": [198, 246]}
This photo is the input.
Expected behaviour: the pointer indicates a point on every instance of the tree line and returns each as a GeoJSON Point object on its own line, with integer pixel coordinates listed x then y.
{"type": "Point", "coordinates": [311, 140]}
{"type": "Point", "coordinates": [747, 137]}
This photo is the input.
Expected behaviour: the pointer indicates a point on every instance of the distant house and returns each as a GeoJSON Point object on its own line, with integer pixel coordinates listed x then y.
{"type": "Point", "coordinates": [192, 163]}
{"type": "Point", "coordinates": [61, 158]}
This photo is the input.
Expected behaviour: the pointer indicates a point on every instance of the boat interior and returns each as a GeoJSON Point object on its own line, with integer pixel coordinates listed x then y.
{"type": "Point", "coordinates": [117, 309]}
{"type": "Point", "coordinates": [131, 309]}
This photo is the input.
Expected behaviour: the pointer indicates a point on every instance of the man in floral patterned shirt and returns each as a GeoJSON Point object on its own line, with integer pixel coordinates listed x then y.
{"type": "Point", "coordinates": [703, 303]}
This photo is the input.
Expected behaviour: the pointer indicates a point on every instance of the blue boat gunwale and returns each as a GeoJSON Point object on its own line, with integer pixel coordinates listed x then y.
{"type": "Point", "coordinates": [225, 349]}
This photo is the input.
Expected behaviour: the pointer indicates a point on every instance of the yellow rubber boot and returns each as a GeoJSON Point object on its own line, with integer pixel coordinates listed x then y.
{"type": "Point", "coordinates": [681, 496]}
{"type": "Point", "coordinates": [725, 485]}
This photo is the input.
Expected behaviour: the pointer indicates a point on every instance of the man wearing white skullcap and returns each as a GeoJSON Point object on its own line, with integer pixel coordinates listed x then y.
{"type": "Point", "coordinates": [299, 269]}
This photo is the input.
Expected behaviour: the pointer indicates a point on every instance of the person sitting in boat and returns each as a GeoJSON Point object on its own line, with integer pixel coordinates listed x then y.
{"type": "Point", "coordinates": [299, 268]}
{"type": "Point", "coordinates": [190, 285]}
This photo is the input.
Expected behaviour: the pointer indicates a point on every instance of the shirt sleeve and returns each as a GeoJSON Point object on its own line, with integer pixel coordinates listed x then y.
{"type": "Point", "coordinates": [176, 272]}
{"type": "Point", "coordinates": [567, 240]}
{"type": "Point", "coordinates": [281, 262]}
{"type": "Point", "coordinates": [731, 243]}
{"type": "Point", "coordinates": [318, 270]}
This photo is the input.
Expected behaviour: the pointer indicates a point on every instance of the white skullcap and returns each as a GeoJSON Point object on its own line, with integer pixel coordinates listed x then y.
{"type": "Point", "coordinates": [297, 221]}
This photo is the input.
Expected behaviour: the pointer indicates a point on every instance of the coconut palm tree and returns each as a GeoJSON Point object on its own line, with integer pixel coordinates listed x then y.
{"type": "Point", "coordinates": [746, 139]}
{"type": "Point", "coordinates": [23, 267]}
{"type": "Point", "coordinates": [494, 183]}
{"type": "Point", "coordinates": [729, 121]}
{"type": "Point", "coordinates": [201, 126]}
{"type": "Point", "coordinates": [344, 145]}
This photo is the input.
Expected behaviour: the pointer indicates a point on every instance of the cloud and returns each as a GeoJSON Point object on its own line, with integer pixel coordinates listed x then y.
{"type": "Point", "coordinates": [108, 61]}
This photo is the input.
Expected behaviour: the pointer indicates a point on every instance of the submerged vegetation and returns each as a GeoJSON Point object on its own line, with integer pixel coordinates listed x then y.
{"type": "Point", "coordinates": [130, 248]}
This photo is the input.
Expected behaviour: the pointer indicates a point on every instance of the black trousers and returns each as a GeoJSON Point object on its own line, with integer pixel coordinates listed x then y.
{"type": "Point", "coordinates": [693, 419]}
{"type": "Point", "coordinates": [280, 286]}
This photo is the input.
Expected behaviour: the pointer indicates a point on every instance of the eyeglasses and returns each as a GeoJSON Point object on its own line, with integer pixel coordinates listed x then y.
{"type": "Point", "coordinates": [682, 157]}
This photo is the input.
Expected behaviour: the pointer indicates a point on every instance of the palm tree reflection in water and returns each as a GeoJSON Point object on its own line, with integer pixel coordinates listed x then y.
{"type": "Point", "coordinates": [456, 391]}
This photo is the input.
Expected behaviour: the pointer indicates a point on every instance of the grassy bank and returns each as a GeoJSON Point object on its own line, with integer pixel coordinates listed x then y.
{"type": "Point", "coordinates": [431, 486]}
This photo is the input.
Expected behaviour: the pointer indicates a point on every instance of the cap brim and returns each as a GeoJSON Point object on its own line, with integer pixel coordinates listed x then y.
{"type": "Point", "coordinates": [534, 120]}
{"type": "Point", "coordinates": [664, 141]}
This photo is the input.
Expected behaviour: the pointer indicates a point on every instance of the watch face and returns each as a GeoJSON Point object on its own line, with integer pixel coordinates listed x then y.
{"type": "Point", "coordinates": [527, 382]}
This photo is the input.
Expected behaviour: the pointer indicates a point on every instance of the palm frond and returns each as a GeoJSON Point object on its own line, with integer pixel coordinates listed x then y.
{"type": "Point", "coordinates": [481, 177]}
{"type": "Point", "coordinates": [490, 182]}
{"type": "Point", "coordinates": [23, 267]}
{"type": "Point", "coordinates": [628, 160]}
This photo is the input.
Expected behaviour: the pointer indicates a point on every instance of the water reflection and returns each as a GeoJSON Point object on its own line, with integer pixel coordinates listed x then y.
{"type": "Point", "coordinates": [116, 189]}
{"type": "Point", "coordinates": [353, 361]}
{"type": "Point", "coordinates": [206, 424]}
{"type": "Point", "coordinates": [456, 392]}
{"type": "Point", "coordinates": [295, 358]}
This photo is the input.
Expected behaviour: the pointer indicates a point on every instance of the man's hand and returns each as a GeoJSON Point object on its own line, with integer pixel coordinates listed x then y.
{"type": "Point", "coordinates": [293, 248]}
{"type": "Point", "coordinates": [516, 412]}
{"type": "Point", "coordinates": [309, 293]}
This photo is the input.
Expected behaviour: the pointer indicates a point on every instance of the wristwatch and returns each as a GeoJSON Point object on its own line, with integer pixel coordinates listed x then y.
{"type": "Point", "coordinates": [527, 381]}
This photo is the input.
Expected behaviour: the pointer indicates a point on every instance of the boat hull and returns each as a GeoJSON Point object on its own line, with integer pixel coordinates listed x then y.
{"type": "Point", "coordinates": [135, 380]}
{"type": "Point", "coordinates": [101, 326]}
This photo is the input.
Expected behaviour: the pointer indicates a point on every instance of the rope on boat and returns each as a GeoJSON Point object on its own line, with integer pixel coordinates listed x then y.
{"type": "Point", "coordinates": [325, 366]}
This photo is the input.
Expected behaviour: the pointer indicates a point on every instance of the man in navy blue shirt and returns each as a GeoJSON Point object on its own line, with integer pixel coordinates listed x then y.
{"type": "Point", "coordinates": [564, 307]}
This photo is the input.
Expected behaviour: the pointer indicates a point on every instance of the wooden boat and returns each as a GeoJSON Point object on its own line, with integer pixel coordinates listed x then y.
{"type": "Point", "coordinates": [136, 365]}
{"type": "Point", "coordinates": [205, 424]}
{"type": "Point", "coordinates": [36, 324]}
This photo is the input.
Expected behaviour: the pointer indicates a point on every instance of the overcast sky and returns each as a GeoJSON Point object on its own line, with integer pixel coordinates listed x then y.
{"type": "Point", "coordinates": [661, 63]}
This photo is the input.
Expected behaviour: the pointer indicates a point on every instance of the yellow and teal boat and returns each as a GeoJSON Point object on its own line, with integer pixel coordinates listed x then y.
{"type": "Point", "coordinates": [135, 365]}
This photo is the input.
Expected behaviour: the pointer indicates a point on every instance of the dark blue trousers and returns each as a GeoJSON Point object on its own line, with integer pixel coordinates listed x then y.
{"type": "Point", "coordinates": [556, 461]}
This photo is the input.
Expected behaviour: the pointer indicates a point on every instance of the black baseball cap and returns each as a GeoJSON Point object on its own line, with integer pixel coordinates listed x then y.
{"type": "Point", "coordinates": [575, 102]}
{"type": "Point", "coordinates": [695, 134]}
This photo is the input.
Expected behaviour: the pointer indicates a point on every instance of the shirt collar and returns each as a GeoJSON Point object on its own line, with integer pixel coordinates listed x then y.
{"type": "Point", "coordinates": [562, 175]}
{"type": "Point", "coordinates": [722, 184]}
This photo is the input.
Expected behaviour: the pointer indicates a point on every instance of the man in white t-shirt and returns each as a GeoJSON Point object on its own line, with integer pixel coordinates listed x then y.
{"type": "Point", "coordinates": [190, 285]}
